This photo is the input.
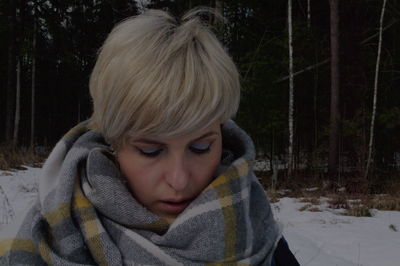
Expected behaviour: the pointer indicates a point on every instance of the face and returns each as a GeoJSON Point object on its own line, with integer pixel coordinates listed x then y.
{"type": "Point", "coordinates": [165, 175]}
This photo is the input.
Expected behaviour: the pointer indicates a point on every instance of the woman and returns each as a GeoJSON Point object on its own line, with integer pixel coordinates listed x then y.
{"type": "Point", "coordinates": [160, 175]}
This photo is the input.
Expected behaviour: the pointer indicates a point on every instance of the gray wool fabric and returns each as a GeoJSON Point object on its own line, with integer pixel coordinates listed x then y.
{"type": "Point", "coordinates": [85, 215]}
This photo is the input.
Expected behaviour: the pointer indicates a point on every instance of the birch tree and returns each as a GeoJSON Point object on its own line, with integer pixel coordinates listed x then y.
{"type": "Point", "coordinates": [33, 87]}
{"type": "Point", "coordinates": [291, 89]}
{"type": "Point", "coordinates": [378, 59]}
{"type": "Point", "coordinates": [11, 70]}
{"type": "Point", "coordinates": [20, 43]}
{"type": "Point", "coordinates": [335, 80]}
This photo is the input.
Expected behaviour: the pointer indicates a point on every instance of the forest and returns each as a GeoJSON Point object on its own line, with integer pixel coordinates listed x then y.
{"type": "Point", "coordinates": [320, 79]}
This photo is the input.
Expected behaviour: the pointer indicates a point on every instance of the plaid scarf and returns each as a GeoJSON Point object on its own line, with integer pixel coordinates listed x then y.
{"type": "Point", "coordinates": [85, 215]}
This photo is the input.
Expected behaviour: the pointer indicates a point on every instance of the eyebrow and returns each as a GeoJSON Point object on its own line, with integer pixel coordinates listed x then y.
{"type": "Point", "coordinates": [149, 141]}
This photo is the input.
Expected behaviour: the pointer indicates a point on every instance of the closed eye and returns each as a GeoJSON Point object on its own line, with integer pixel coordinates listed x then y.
{"type": "Point", "coordinates": [150, 152]}
{"type": "Point", "coordinates": [200, 148]}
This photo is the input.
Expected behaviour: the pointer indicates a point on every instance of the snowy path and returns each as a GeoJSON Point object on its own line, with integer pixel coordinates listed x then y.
{"type": "Point", "coordinates": [316, 238]}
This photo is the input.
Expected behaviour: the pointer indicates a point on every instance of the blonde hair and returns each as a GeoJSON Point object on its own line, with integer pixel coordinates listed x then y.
{"type": "Point", "coordinates": [157, 77]}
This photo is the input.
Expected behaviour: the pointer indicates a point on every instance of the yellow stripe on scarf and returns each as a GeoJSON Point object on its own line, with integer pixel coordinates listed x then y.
{"type": "Point", "coordinates": [224, 193]}
{"type": "Point", "coordinates": [58, 215]}
{"type": "Point", "coordinates": [229, 219]}
{"type": "Point", "coordinates": [45, 251]}
{"type": "Point", "coordinates": [17, 244]}
{"type": "Point", "coordinates": [91, 228]}
{"type": "Point", "coordinates": [76, 131]}
{"type": "Point", "coordinates": [227, 264]}
{"type": "Point", "coordinates": [64, 211]}
{"type": "Point", "coordinates": [237, 171]}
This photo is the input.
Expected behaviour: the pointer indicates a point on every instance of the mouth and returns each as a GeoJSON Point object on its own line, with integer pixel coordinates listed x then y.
{"type": "Point", "coordinates": [175, 206]}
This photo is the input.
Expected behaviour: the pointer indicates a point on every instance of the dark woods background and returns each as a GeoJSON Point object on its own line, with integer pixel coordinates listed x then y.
{"type": "Point", "coordinates": [48, 49]}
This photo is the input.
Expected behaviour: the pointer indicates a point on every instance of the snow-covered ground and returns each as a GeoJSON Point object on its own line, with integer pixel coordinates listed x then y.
{"type": "Point", "coordinates": [323, 238]}
{"type": "Point", "coordinates": [328, 239]}
{"type": "Point", "coordinates": [17, 190]}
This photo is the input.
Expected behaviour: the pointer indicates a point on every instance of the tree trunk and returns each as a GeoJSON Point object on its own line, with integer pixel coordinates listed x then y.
{"type": "Point", "coordinates": [219, 6]}
{"type": "Point", "coordinates": [290, 148]}
{"type": "Point", "coordinates": [11, 70]}
{"type": "Point", "coordinates": [273, 163]}
{"type": "Point", "coordinates": [315, 105]}
{"type": "Point", "coordinates": [308, 14]}
{"type": "Point", "coordinates": [17, 103]}
{"type": "Point", "coordinates": [33, 84]}
{"type": "Point", "coordinates": [335, 81]}
{"type": "Point", "coordinates": [378, 59]}
{"type": "Point", "coordinates": [79, 112]}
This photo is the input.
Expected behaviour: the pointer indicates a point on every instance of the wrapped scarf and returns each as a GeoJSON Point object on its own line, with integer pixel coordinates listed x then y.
{"type": "Point", "coordinates": [85, 215]}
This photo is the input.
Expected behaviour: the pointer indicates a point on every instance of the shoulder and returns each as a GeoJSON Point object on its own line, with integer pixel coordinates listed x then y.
{"type": "Point", "coordinates": [283, 256]}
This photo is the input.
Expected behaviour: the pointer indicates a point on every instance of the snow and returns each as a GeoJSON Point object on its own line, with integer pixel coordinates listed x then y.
{"type": "Point", "coordinates": [323, 238]}
{"type": "Point", "coordinates": [18, 189]}
{"type": "Point", "coordinates": [326, 238]}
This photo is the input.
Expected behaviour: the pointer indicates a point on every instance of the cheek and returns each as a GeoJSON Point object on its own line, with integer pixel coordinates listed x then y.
{"type": "Point", "coordinates": [206, 167]}
{"type": "Point", "coordinates": [127, 168]}
{"type": "Point", "coordinates": [142, 181]}
{"type": "Point", "coordinates": [137, 173]}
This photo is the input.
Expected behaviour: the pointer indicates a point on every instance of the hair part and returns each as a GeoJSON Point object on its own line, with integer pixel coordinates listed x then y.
{"type": "Point", "coordinates": [158, 77]}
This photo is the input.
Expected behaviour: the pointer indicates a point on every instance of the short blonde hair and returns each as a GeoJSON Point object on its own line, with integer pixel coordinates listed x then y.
{"type": "Point", "coordinates": [158, 77]}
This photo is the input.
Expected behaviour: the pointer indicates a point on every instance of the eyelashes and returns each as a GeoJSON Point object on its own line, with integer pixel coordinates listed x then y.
{"type": "Point", "coordinates": [196, 148]}
{"type": "Point", "coordinates": [151, 152]}
{"type": "Point", "coordinates": [200, 148]}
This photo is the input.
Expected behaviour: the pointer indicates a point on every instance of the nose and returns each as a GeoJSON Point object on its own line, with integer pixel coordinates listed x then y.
{"type": "Point", "coordinates": [177, 176]}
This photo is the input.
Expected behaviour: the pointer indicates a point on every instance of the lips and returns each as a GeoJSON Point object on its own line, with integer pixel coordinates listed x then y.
{"type": "Point", "coordinates": [174, 206]}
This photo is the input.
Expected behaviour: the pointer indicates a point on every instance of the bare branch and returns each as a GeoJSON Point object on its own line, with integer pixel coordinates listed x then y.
{"type": "Point", "coordinates": [303, 70]}
{"type": "Point", "coordinates": [327, 60]}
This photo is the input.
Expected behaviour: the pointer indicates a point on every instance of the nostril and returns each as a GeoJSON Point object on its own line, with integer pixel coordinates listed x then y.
{"type": "Point", "coordinates": [178, 183]}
